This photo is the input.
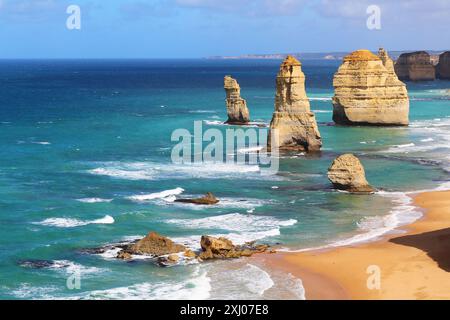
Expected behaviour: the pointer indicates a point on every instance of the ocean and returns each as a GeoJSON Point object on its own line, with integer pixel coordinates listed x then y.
{"type": "Point", "coordinates": [86, 162]}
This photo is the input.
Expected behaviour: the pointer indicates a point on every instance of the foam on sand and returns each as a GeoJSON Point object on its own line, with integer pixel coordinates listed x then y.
{"type": "Point", "coordinates": [71, 223]}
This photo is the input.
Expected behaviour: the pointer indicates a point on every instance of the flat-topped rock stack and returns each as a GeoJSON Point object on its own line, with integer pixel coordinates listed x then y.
{"type": "Point", "coordinates": [443, 67]}
{"type": "Point", "coordinates": [294, 123]}
{"type": "Point", "coordinates": [236, 106]}
{"type": "Point", "coordinates": [415, 66]}
{"type": "Point", "coordinates": [368, 92]}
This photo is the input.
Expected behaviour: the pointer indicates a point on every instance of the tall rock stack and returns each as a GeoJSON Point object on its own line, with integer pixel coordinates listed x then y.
{"type": "Point", "coordinates": [415, 66]}
{"type": "Point", "coordinates": [236, 106]}
{"type": "Point", "coordinates": [443, 67]}
{"type": "Point", "coordinates": [368, 92]}
{"type": "Point", "coordinates": [293, 121]}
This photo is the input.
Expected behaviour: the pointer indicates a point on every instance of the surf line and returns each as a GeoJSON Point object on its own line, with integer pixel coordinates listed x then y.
{"type": "Point", "coordinates": [193, 310]}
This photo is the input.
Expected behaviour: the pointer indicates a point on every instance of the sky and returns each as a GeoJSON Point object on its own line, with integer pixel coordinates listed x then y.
{"type": "Point", "coordinates": [203, 28]}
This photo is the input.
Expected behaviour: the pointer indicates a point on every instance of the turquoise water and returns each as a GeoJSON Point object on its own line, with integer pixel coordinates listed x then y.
{"type": "Point", "coordinates": [79, 138]}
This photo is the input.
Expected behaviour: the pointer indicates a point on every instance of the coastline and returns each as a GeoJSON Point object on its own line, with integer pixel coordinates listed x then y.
{"type": "Point", "coordinates": [414, 265]}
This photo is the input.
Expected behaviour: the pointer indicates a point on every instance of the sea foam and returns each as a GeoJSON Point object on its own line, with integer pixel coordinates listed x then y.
{"type": "Point", "coordinates": [71, 223]}
{"type": "Point", "coordinates": [165, 195]}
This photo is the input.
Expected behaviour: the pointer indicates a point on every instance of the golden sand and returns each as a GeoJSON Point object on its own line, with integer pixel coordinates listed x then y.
{"type": "Point", "coordinates": [415, 265]}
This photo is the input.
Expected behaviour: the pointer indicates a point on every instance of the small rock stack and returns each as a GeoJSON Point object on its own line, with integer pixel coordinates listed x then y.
{"type": "Point", "coordinates": [236, 106]}
{"type": "Point", "coordinates": [347, 174]}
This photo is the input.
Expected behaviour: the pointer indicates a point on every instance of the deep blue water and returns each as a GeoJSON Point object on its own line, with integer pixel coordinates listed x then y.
{"type": "Point", "coordinates": [80, 137]}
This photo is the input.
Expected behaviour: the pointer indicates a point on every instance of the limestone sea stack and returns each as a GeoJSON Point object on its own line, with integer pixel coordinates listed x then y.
{"type": "Point", "coordinates": [443, 67]}
{"type": "Point", "coordinates": [368, 92]}
{"type": "Point", "coordinates": [236, 106]}
{"type": "Point", "coordinates": [293, 122]}
{"type": "Point", "coordinates": [347, 173]}
{"type": "Point", "coordinates": [415, 66]}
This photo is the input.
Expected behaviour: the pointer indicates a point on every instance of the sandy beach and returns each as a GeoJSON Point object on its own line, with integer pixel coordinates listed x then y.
{"type": "Point", "coordinates": [415, 265]}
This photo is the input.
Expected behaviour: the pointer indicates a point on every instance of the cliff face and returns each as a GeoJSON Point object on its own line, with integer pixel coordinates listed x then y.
{"type": "Point", "coordinates": [415, 66]}
{"type": "Point", "coordinates": [368, 92]}
{"type": "Point", "coordinates": [236, 106]}
{"type": "Point", "coordinates": [443, 67]}
{"type": "Point", "coordinates": [293, 120]}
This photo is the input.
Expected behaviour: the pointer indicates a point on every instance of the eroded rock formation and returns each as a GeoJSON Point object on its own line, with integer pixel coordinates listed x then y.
{"type": "Point", "coordinates": [293, 122]}
{"type": "Point", "coordinates": [368, 92]}
{"type": "Point", "coordinates": [347, 173]}
{"type": "Point", "coordinates": [415, 66]}
{"type": "Point", "coordinates": [236, 106]}
{"type": "Point", "coordinates": [207, 199]}
{"type": "Point", "coordinates": [153, 244]}
{"type": "Point", "coordinates": [223, 248]}
{"type": "Point", "coordinates": [443, 67]}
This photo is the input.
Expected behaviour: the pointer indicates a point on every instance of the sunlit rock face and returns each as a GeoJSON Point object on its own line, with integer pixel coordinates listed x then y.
{"type": "Point", "coordinates": [236, 106]}
{"type": "Point", "coordinates": [368, 92]}
{"type": "Point", "coordinates": [293, 123]}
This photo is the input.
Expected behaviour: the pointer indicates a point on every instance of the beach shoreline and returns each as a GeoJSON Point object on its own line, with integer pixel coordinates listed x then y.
{"type": "Point", "coordinates": [412, 266]}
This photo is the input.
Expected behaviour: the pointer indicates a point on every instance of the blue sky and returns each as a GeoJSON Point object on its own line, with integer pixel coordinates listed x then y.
{"type": "Point", "coordinates": [201, 28]}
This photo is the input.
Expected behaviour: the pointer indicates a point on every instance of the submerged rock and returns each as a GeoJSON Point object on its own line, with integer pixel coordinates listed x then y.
{"type": "Point", "coordinates": [293, 122]}
{"type": "Point", "coordinates": [208, 199]}
{"type": "Point", "coordinates": [223, 248]}
{"type": "Point", "coordinates": [415, 66]}
{"type": "Point", "coordinates": [443, 67]}
{"type": "Point", "coordinates": [368, 92]}
{"type": "Point", "coordinates": [236, 106]}
{"type": "Point", "coordinates": [39, 264]}
{"type": "Point", "coordinates": [347, 173]}
{"type": "Point", "coordinates": [153, 244]}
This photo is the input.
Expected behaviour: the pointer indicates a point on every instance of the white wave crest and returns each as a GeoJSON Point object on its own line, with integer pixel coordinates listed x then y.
{"type": "Point", "coordinates": [196, 288]}
{"type": "Point", "coordinates": [71, 223]}
{"type": "Point", "coordinates": [165, 195]}
{"type": "Point", "coordinates": [157, 171]}
{"type": "Point", "coordinates": [94, 200]}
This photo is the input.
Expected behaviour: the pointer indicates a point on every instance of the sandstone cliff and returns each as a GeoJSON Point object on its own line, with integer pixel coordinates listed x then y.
{"type": "Point", "coordinates": [236, 106]}
{"type": "Point", "coordinates": [443, 67]}
{"type": "Point", "coordinates": [415, 66]}
{"type": "Point", "coordinates": [368, 92]}
{"type": "Point", "coordinates": [347, 173]}
{"type": "Point", "coordinates": [293, 122]}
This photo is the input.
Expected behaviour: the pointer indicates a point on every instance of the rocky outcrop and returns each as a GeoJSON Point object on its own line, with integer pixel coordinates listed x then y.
{"type": "Point", "coordinates": [368, 92]}
{"type": "Point", "coordinates": [415, 66]}
{"type": "Point", "coordinates": [153, 244]}
{"type": "Point", "coordinates": [443, 67]}
{"type": "Point", "coordinates": [207, 199]}
{"type": "Point", "coordinates": [223, 248]}
{"type": "Point", "coordinates": [293, 124]}
{"type": "Point", "coordinates": [236, 106]}
{"type": "Point", "coordinates": [347, 173]}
